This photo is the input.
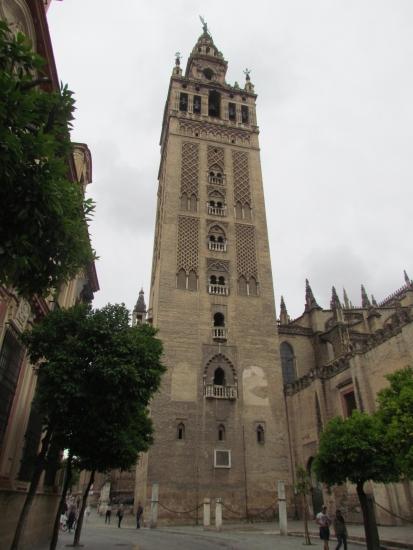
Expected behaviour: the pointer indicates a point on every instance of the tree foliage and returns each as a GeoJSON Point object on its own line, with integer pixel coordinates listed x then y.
{"type": "Point", "coordinates": [103, 372]}
{"type": "Point", "coordinates": [354, 449]}
{"type": "Point", "coordinates": [396, 415]}
{"type": "Point", "coordinates": [43, 234]}
{"type": "Point", "coordinates": [96, 375]}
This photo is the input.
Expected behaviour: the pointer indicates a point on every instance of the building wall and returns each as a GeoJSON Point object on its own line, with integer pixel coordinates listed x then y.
{"type": "Point", "coordinates": [18, 314]}
{"type": "Point", "coordinates": [376, 341]}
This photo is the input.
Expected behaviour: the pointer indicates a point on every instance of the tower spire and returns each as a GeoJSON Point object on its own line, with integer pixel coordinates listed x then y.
{"type": "Point", "coordinates": [139, 311]}
{"type": "Point", "coordinates": [407, 279]}
{"type": "Point", "coordinates": [335, 301]}
{"type": "Point", "coordinates": [365, 302]}
{"type": "Point", "coordinates": [310, 301]}
{"type": "Point", "coordinates": [284, 319]}
{"type": "Point", "coordinates": [345, 299]}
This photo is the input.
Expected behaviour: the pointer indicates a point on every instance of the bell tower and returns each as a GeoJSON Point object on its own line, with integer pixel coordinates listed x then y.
{"type": "Point", "coordinates": [219, 418]}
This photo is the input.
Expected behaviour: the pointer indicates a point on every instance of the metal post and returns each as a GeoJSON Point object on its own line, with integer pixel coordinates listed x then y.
{"type": "Point", "coordinates": [218, 514]}
{"type": "Point", "coordinates": [154, 506]}
{"type": "Point", "coordinates": [207, 512]}
{"type": "Point", "coordinates": [282, 508]}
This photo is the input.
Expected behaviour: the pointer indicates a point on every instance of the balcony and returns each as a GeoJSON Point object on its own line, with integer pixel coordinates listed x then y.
{"type": "Point", "coordinates": [217, 246]}
{"type": "Point", "coordinates": [220, 392]}
{"type": "Point", "coordinates": [216, 210]}
{"type": "Point", "coordinates": [221, 290]}
{"type": "Point", "coordinates": [216, 180]}
{"type": "Point", "coordinates": [219, 333]}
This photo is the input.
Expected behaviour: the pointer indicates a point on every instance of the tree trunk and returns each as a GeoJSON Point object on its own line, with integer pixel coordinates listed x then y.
{"type": "Point", "coordinates": [369, 519]}
{"type": "Point", "coordinates": [38, 470]}
{"type": "Point", "coordinates": [82, 510]}
{"type": "Point", "coordinates": [56, 526]}
{"type": "Point", "coordinates": [305, 512]}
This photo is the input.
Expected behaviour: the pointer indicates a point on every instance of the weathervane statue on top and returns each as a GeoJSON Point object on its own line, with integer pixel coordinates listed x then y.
{"type": "Point", "coordinates": [204, 25]}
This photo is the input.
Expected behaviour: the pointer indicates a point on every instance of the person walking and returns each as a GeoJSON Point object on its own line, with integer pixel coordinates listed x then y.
{"type": "Point", "coordinates": [120, 514]}
{"type": "Point", "coordinates": [323, 521]}
{"type": "Point", "coordinates": [108, 513]}
{"type": "Point", "coordinates": [340, 530]}
{"type": "Point", "coordinates": [139, 512]}
{"type": "Point", "coordinates": [71, 518]}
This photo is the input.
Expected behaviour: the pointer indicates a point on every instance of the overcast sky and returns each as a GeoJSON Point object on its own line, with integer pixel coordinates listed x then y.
{"type": "Point", "coordinates": [335, 85]}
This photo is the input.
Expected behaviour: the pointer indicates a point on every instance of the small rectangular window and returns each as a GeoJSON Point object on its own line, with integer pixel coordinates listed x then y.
{"type": "Point", "coordinates": [183, 102]}
{"type": "Point", "coordinates": [197, 104]}
{"type": "Point", "coordinates": [232, 112]}
{"type": "Point", "coordinates": [222, 459]}
{"type": "Point", "coordinates": [244, 114]}
{"type": "Point", "coordinates": [349, 402]}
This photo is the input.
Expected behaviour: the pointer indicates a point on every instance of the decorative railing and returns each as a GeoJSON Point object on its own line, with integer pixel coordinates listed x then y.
{"type": "Point", "coordinates": [216, 180]}
{"type": "Point", "coordinates": [222, 290]}
{"type": "Point", "coordinates": [216, 210]}
{"type": "Point", "coordinates": [219, 333]}
{"type": "Point", "coordinates": [218, 247]}
{"type": "Point", "coordinates": [220, 392]}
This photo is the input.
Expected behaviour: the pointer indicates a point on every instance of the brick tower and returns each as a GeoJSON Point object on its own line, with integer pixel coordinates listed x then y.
{"type": "Point", "coordinates": [220, 426]}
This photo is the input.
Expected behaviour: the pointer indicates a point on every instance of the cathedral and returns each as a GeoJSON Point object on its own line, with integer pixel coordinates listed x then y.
{"type": "Point", "coordinates": [246, 396]}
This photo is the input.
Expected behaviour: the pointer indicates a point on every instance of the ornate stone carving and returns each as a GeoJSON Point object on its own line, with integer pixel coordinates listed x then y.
{"type": "Point", "coordinates": [242, 191]}
{"type": "Point", "coordinates": [246, 252]}
{"type": "Point", "coordinates": [188, 243]}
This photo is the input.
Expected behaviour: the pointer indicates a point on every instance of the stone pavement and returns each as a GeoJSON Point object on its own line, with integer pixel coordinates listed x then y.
{"type": "Point", "coordinates": [258, 536]}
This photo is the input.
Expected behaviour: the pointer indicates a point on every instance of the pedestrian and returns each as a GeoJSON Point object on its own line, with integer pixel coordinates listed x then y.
{"type": "Point", "coordinates": [323, 521]}
{"type": "Point", "coordinates": [87, 512]}
{"type": "Point", "coordinates": [108, 513]}
{"type": "Point", "coordinates": [71, 518]}
{"type": "Point", "coordinates": [139, 512]}
{"type": "Point", "coordinates": [119, 513]}
{"type": "Point", "coordinates": [340, 530]}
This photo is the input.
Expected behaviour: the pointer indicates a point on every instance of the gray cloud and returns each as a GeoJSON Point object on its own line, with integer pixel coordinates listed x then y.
{"type": "Point", "coordinates": [335, 84]}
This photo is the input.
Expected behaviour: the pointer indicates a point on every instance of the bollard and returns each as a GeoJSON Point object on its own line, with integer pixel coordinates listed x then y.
{"type": "Point", "coordinates": [282, 508]}
{"type": "Point", "coordinates": [218, 514]}
{"type": "Point", "coordinates": [154, 506]}
{"type": "Point", "coordinates": [207, 512]}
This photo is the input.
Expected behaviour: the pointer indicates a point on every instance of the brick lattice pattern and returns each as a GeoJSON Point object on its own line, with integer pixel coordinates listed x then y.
{"type": "Point", "coordinates": [189, 168]}
{"type": "Point", "coordinates": [246, 253]}
{"type": "Point", "coordinates": [188, 243]}
{"type": "Point", "coordinates": [216, 156]}
{"type": "Point", "coordinates": [242, 191]}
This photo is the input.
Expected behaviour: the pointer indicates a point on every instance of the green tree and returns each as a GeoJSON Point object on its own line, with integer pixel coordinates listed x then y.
{"type": "Point", "coordinates": [43, 234]}
{"type": "Point", "coordinates": [303, 488]}
{"type": "Point", "coordinates": [396, 415]}
{"type": "Point", "coordinates": [96, 375]}
{"type": "Point", "coordinates": [354, 449]}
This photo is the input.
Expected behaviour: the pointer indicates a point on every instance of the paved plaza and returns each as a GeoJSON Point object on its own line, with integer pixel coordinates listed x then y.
{"type": "Point", "coordinates": [263, 536]}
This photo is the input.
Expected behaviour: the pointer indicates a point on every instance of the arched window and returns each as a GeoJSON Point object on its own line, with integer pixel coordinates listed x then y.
{"type": "Point", "coordinates": [184, 201]}
{"type": "Point", "coordinates": [208, 73]}
{"type": "Point", "coordinates": [253, 289]}
{"type": "Point", "coordinates": [192, 281]}
{"type": "Point", "coordinates": [287, 363]}
{"type": "Point", "coordinates": [180, 431]}
{"type": "Point", "coordinates": [212, 203]}
{"type": "Point", "coordinates": [219, 377]}
{"type": "Point", "coordinates": [214, 103]}
{"type": "Point", "coordinates": [260, 434]}
{"type": "Point", "coordinates": [238, 210]}
{"type": "Point", "coordinates": [212, 238]}
{"type": "Point", "coordinates": [213, 280]}
{"type": "Point", "coordinates": [219, 319]}
{"type": "Point", "coordinates": [221, 432]}
{"type": "Point", "coordinates": [193, 203]}
{"type": "Point", "coordinates": [181, 279]}
{"type": "Point", "coordinates": [221, 280]}
{"type": "Point", "coordinates": [242, 286]}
